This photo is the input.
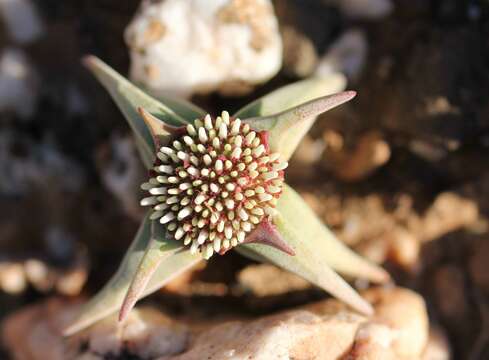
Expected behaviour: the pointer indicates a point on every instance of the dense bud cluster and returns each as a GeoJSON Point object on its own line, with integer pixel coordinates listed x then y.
{"type": "Point", "coordinates": [214, 184]}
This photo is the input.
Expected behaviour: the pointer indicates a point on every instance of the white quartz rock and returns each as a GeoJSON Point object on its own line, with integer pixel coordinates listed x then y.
{"type": "Point", "coordinates": [182, 47]}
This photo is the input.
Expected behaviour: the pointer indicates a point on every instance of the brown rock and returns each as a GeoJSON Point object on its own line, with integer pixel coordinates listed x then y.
{"type": "Point", "coordinates": [478, 265]}
{"type": "Point", "coordinates": [35, 333]}
{"type": "Point", "coordinates": [449, 286]}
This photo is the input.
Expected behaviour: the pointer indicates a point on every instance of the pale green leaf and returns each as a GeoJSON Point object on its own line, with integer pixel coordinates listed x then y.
{"type": "Point", "coordinates": [317, 251]}
{"type": "Point", "coordinates": [129, 98]}
{"type": "Point", "coordinates": [187, 110]}
{"type": "Point", "coordinates": [159, 248]}
{"type": "Point", "coordinates": [286, 129]}
{"type": "Point", "coordinates": [251, 254]}
{"type": "Point", "coordinates": [110, 297]}
{"type": "Point", "coordinates": [293, 95]}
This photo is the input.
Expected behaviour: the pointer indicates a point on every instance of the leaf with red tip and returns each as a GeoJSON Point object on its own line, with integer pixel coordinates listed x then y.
{"type": "Point", "coordinates": [293, 95]}
{"type": "Point", "coordinates": [160, 132]}
{"type": "Point", "coordinates": [266, 233]}
{"type": "Point", "coordinates": [316, 252]}
{"type": "Point", "coordinates": [109, 299]}
{"type": "Point", "coordinates": [287, 128]}
{"type": "Point", "coordinates": [129, 98]}
{"type": "Point", "coordinates": [159, 248]}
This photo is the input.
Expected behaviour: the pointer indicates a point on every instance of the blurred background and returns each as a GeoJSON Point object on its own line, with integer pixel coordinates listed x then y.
{"type": "Point", "coordinates": [400, 173]}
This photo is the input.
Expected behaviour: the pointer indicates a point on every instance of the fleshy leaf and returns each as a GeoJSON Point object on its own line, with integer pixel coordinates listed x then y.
{"type": "Point", "coordinates": [298, 215]}
{"type": "Point", "coordinates": [110, 297]}
{"type": "Point", "coordinates": [250, 254]}
{"type": "Point", "coordinates": [293, 95]}
{"type": "Point", "coordinates": [316, 252]}
{"type": "Point", "coordinates": [160, 132]}
{"type": "Point", "coordinates": [187, 111]}
{"type": "Point", "coordinates": [286, 129]}
{"type": "Point", "coordinates": [159, 248]}
{"type": "Point", "coordinates": [129, 98]}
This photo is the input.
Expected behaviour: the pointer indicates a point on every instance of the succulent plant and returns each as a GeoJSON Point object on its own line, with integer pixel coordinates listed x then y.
{"type": "Point", "coordinates": [216, 184]}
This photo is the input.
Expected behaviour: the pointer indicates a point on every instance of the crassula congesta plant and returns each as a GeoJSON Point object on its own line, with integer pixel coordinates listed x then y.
{"type": "Point", "coordinates": [216, 184]}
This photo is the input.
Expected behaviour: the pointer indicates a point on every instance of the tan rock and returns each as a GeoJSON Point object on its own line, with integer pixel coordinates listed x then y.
{"type": "Point", "coordinates": [449, 212]}
{"type": "Point", "coordinates": [383, 227]}
{"type": "Point", "coordinates": [16, 276]}
{"type": "Point", "coordinates": [12, 278]}
{"type": "Point", "coordinates": [299, 56]}
{"type": "Point", "coordinates": [35, 333]}
{"type": "Point", "coordinates": [269, 280]}
{"type": "Point", "coordinates": [405, 313]}
{"type": "Point", "coordinates": [298, 334]}
{"type": "Point", "coordinates": [324, 330]}
{"type": "Point", "coordinates": [437, 347]}
{"type": "Point", "coordinates": [370, 153]}
{"type": "Point", "coordinates": [404, 247]}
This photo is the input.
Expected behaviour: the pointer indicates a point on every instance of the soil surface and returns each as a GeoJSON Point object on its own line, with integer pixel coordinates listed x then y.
{"type": "Point", "coordinates": [401, 173]}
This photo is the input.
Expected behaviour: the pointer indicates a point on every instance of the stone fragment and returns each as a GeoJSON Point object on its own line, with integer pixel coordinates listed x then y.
{"type": "Point", "coordinates": [182, 47]}
{"type": "Point", "coordinates": [324, 330]}
{"type": "Point", "coordinates": [300, 57]}
{"type": "Point", "coordinates": [346, 55]}
{"type": "Point", "coordinates": [19, 83]}
{"type": "Point", "coordinates": [22, 20]}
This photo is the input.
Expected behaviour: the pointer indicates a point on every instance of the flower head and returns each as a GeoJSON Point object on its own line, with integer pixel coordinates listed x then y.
{"type": "Point", "coordinates": [214, 183]}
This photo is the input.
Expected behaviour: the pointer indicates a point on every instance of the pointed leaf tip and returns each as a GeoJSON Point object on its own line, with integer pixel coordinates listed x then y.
{"type": "Point", "coordinates": [297, 214]}
{"type": "Point", "coordinates": [293, 95]}
{"type": "Point", "coordinates": [138, 285]}
{"type": "Point", "coordinates": [287, 128]}
{"type": "Point", "coordinates": [350, 94]}
{"type": "Point", "coordinates": [160, 131]}
{"type": "Point", "coordinates": [159, 248]}
{"type": "Point", "coordinates": [110, 298]}
{"type": "Point", "coordinates": [317, 106]}
{"type": "Point", "coordinates": [128, 97]}
{"type": "Point", "coordinates": [154, 126]}
{"type": "Point", "coordinates": [317, 251]}
{"type": "Point", "coordinates": [266, 234]}
{"type": "Point", "coordinates": [89, 60]}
